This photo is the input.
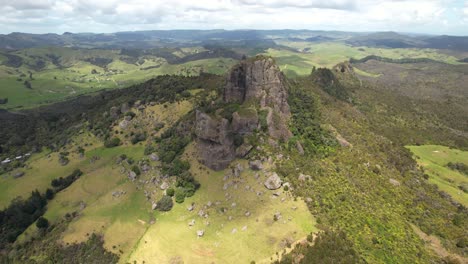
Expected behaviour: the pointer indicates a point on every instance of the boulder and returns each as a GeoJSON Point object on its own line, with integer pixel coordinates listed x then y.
{"type": "Point", "coordinates": [192, 223]}
{"type": "Point", "coordinates": [164, 186]}
{"type": "Point", "coordinates": [394, 182]}
{"type": "Point", "coordinates": [302, 177]}
{"type": "Point", "coordinates": [200, 233]}
{"type": "Point", "coordinates": [255, 165]}
{"type": "Point", "coordinates": [124, 124]}
{"type": "Point", "coordinates": [243, 150]}
{"type": "Point", "coordinates": [273, 182]}
{"type": "Point", "coordinates": [299, 148]}
{"type": "Point", "coordinates": [154, 206]}
{"type": "Point", "coordinates": [18, 174]}
{"type": "Point", "coordinates": [114, 112]}
{"type": "Point", "coordinates": [124, 108]}
{"type": "Point", "coordinates": [154, 157]}
{"type": "Point", "coordinates": [132, 175]}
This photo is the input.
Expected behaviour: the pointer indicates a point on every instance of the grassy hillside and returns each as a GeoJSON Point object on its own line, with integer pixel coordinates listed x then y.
{"type": "Point", "coordinates": [434, 160]}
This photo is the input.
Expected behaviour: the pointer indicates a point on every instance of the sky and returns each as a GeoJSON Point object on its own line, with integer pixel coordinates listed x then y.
{"type": "Point", "coordinates": [106, 16]}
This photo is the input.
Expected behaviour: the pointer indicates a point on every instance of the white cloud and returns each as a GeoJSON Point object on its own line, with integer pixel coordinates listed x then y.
{"type": "Point", "coordinates": [115, 15]}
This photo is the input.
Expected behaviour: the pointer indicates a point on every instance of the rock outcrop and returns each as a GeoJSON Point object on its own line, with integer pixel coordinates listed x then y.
{"type": "Point", "coordinates": [252, 82]}
{"type": "Point", "coordinates": [215, 142]}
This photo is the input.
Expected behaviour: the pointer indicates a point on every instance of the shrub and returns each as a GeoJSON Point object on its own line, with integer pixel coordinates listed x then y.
{"type": "Point", "coordinates": [136, 170]}
{"type": "Point", "coordinates": [165, 204]}
{"type": "Point", "coordinates": [179, 195]}
{"type": "Point", "coordinates": [112, 142]}
{"type": "Point", "coordinates": [170, 192]}
{"type": "Point", "coordinates": [49, 194]}
{"type": "Point", "coordinates": [42, 223]}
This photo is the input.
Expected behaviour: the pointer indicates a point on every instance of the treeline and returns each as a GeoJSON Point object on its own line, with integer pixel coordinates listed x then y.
{"type": "Point", "coordinates": [459, 166]}
{"type": "Point", "coordinates": [383, 59]}
{"type": "Point", "coordinates": [46, 249]}
{"type": "Point", "coordinates": [62, 183]}
{"type": "Point", "coordinates": [20, 214]}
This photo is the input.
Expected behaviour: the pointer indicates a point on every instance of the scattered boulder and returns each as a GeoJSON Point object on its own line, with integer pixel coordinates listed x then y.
{"type": "Point", "coordinates": [234, 230]}
{"type": "Point", "coordinates": [244, 228]}
{"type": "Point", "coordinates": [132, 175]}
{"type": "Point", "coordinates": [243, 150]}
{"type": "Point", "coordinates": [192, 223]}
{"type": "Point", "coordinates": [164, 186]}
{"type": "Point", "coordinates": [273, 182]}
{"type": "Point", "coordinates": [304, 177]}
{"type": "Point", "coordinates": [191, 207]}
{"type": "Point", "coordinates": [18, 174]}
{"type": "Point", "coordinates": [308, 200]}
{"type": "Point", "coordinates": [200, 233]}
{"type": "Point", "coordinates": [114, 112]}
{"type": "Point", "coordinates": [394, 182]}
{"type": "Point", "coordinates": [255, 165]}
{"type": "Point", "coordinates": [154, 157]}
{"type": "Point", "coordinates": [154, 206]}
{"type": "Point", "coordinates": [299, 148]}
{"type": "Point", "coordinates": [124, 108]}
{"type": "Point", "coordinates": [124, 124]}
{"type": "Point", "coordinates": [237, 170]}
{"type": "Point", "coordinates": [247, 213]}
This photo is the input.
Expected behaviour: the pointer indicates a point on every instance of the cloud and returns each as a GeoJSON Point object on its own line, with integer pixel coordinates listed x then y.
{"type": "Point", "coordinates": [117, 15]}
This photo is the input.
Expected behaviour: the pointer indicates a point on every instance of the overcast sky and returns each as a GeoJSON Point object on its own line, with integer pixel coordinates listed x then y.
{"type": "Point", "coordinates": [58, 16]}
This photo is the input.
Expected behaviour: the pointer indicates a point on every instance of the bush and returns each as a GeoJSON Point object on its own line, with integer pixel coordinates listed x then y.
{"type": "Point", "coordinates": [49, 194]}
{"type": "Point", "coordinates": [113, 142]}
{"type": "Point", "coordinates": [180, 195]}
{"type": "Point", "coordinates": [42, 223]}
{"type": "Point", "coordinates": [165, 204]}
{"type": "Point", "coordinates": [170, 192]}
{"type": "Point", "coordinates": [136, 170]}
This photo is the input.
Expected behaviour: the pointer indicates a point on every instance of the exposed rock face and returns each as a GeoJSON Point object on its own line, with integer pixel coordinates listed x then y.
{"type": "Point", "coordinates": [215, 144]}
{"type": "Point", "coordinates": [260, 81]}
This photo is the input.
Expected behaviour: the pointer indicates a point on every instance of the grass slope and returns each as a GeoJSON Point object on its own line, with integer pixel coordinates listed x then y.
{"type": "Point", "coordinates": [170, 239]}
{"type": "Point", "coordinates": [434, 159]}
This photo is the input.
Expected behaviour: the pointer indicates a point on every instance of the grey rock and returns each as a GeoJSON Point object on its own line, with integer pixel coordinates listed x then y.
{"type": "Point", "coordinates": [394, 182]}
{"type": "Point", "coordinates": [18, 174]}
{"type": "Point", "coordinates": [132, 175]}
{"type": "Point", "coordinates": [124, 124]}
{"type": "Point", "coordinates": [164, 186]}
{"type": "Point", "coordinates": [299, 148]}
{"type": "Point", "coordinates": [243, 150]}
{"type": "Point", "coordinates": [255, 165]}
{"type": "Point", "coordinates": [273, 182]}
{"type": "Point", "coordinates": [154, 157]}
{"type": "Point", "coordinates": [200, 233]}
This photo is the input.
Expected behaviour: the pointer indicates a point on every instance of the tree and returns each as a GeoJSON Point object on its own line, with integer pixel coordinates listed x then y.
{"type": "Point", "coordinates": [113, 142]}
{"type": "Point", "coordinates": [42, 223]}
{"type": "Point", "coordinates": [49, 194]}
{"type": "Point", "coordinates": [165, 204]}
{"type": "Point", "coordinates": [170, 192]}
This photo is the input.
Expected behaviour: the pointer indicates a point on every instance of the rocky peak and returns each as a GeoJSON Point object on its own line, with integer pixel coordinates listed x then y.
{"type": "Point", "coordinates": [259, 79]}
{"type": "Point", "coordinates": [256, 85]}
